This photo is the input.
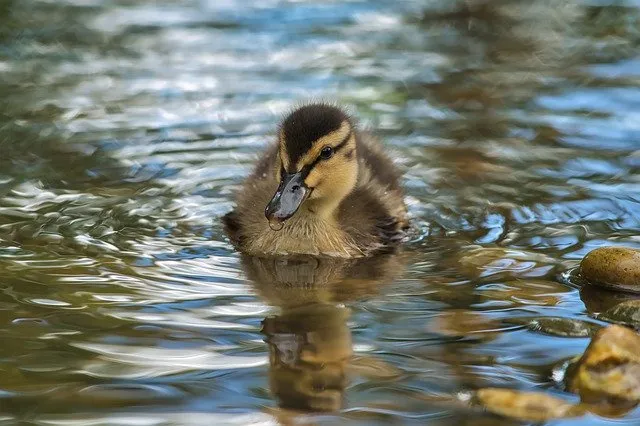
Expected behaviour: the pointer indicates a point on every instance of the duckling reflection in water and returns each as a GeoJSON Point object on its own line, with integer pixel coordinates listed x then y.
{"type": "Point", "coordinates": [323, 189]}
{"type": "Point", "coordinates": [309, 351]}
{"type": "Point", "coordinates": [310, 345]}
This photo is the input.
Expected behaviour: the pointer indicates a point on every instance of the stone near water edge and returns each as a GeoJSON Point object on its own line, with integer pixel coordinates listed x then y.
{"type": "Point", "coordinates": [609, 369]}
{"type": "Point", "coordinates": [616, 268]}
{"type": "Point", "coordinates": [526, 406]}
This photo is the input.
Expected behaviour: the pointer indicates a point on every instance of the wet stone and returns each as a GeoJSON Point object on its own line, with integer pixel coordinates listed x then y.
{"type": "Point", "coordinates": [609, 370]}
{"type": "Point", "coordinates": [616, 268]}
{"type": "Point", "coordinates": [557, 326]}
{"type": "Point", "coordinates": [527, 406]}
{"type": "Point", "coordinates": [626, 313]}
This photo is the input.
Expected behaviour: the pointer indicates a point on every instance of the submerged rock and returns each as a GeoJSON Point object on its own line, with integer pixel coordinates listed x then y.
{"type": "Point", "coordinates": [527, 406]}
{"type": "Point", "coordinates": [497, 262]}
{"type": "Point", "coordinates": [609, 370]}
{"type": "Point", "coordinates": [524, 292]}
{"type": "Point", "coordinates": [558, 326]}
{"type": "Point", "coordinates": [464, 323]}
{"type": "Point", "coordinates": [615, 268]}
{"type": "Point", "coordinates": [626, 313]}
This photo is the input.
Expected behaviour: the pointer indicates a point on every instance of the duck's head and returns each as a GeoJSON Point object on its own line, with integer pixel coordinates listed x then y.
{"type": "Point", "coordinates": [317, 166]}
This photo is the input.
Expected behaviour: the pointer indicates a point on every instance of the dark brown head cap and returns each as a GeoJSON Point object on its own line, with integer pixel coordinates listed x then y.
{"type": "Point", "coordinates": [307, 124]}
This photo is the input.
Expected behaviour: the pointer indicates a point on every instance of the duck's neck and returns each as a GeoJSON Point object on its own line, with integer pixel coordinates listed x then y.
{"type": "Point", "coordinates": [321, 210]}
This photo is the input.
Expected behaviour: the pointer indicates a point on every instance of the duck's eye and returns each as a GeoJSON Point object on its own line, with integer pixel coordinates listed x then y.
{"type": "Point", "coordinates": [326, 152]}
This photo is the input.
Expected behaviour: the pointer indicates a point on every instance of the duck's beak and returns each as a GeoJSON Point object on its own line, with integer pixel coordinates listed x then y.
{"type": "Point", "coordinates": [288, 197]}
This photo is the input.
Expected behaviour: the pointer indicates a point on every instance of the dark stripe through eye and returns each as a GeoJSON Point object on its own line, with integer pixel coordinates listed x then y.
{"type": "Point", "coordinates": [335, 149]}
{"type": "Point", "coordinates": [332, 150]}
{"type": "Point", "coordinates": [307, 169]}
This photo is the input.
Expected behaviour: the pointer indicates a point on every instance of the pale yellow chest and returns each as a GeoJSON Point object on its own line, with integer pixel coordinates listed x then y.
{"type": "Point", "coordinates": [303, 234]}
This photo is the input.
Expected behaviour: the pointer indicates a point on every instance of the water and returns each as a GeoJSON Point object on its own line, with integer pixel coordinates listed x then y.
{"type": "Point", "coordinates": [125, 126]}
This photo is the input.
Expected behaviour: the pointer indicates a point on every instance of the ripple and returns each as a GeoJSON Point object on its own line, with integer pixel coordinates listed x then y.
{"type": "Point", "coordinates": [128, 125]}
{"type": "Point", "coordinates": [172, 359]}
{"type": "Point", "coordinates": [151, 419]}
{"type": "Point", "coordinates": [50, 302]}
{"type": "Point", "coordinates": [123, 392]}
{"type": "Point", "coordinates": [190, 319]}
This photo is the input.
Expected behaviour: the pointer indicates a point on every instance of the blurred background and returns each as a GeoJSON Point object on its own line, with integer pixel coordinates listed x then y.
{"type": "Point", "coordinates": [125, 126]}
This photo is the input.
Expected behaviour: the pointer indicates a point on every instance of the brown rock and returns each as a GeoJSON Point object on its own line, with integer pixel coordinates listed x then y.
{"type": "Point", "coordinates": [617, 268]}
{"type": "Point", "coordinates": [609, 370]}
{"type": "Point", "coordinates": [527, 406]}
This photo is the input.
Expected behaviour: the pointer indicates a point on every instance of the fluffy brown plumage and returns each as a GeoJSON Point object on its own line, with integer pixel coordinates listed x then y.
{"type": "Point", "coordinates": [331, 190]}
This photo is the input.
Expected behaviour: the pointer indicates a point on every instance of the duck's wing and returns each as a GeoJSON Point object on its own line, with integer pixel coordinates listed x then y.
{"type": "Point", "coordinates": [371, 154]}
{"type": "Point", "coordinates": [374, 214]}
{"type": "Point", "coordinates": [373, 217]}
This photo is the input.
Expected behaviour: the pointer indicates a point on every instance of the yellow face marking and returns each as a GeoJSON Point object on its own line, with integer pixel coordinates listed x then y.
{"type": "Point", "coordinates": [339, 169]}
{"type": "Point", "coordinates": [330, 139]}
{"type": "Point", "coordinates": [283, 152]}
{"type": "Point", "coordinates": [332, 181]}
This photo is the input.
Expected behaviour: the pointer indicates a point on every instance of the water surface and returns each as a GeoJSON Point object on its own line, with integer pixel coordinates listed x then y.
{"type": "Point", "coordinates": [126, 125]}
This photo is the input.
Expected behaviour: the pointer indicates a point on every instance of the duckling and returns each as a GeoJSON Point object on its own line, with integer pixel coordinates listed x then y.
{"type": "Point", "coordinates": [323, 189]}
